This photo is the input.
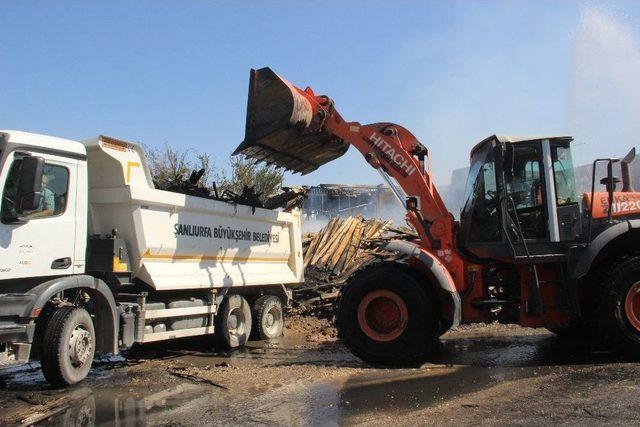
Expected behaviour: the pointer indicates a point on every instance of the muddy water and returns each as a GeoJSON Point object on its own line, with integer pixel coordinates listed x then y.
{"type": "Point", "coordinates": [311, 385]}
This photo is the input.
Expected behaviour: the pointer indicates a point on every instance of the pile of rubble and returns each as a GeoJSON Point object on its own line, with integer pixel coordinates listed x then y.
{"type": "Point", "coordinates": [335, 253]}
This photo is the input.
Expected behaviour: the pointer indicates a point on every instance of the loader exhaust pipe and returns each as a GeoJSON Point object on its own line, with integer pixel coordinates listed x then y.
{"type": "Point", "coordinates": [284, 125]}
{"type": "Point", "coordinates": [625, 167]}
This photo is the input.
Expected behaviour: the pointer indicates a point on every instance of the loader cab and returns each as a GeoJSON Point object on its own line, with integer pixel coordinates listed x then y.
{"type": "Point", "coordinates": [520, 190]}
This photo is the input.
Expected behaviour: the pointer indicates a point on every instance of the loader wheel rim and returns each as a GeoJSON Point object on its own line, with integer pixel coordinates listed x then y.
{"type": "Point", "coordinates": [632, 306]}
{"type": "Point", "coordinates": [382, 315]}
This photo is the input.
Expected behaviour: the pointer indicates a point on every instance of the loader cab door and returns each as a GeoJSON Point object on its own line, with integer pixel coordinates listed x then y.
{"type": "Point", "coordinates": [525, 191]}
{"type": "Point", "coordinates": [540, 191]}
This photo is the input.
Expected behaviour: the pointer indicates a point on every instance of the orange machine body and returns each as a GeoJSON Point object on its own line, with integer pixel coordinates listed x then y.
{"type": "Point", "coordinates": [624, 204]}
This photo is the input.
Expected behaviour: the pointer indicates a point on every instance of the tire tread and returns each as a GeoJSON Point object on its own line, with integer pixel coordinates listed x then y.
{"type": "Point", "coordinates": [50, 355]}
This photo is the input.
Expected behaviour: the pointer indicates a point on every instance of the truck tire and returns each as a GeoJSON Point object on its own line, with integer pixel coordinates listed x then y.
{"type": "Point", "coordinates": [385, 316]}
{"type": "Point", "coordinates": [68, 346]}
{"type": "Point", "coordinates": [618, 314]}
{"type": "Point", "coordinates": [233, 322]}
{"type": "Point", "coordinates": [268, 318]}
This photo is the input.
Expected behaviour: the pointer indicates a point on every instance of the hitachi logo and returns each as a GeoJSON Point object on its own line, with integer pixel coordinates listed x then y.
{"type": "Point", "coordinates": [397, 160]}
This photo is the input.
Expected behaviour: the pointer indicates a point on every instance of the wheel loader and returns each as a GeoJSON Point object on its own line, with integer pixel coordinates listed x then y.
{"type": "Point", "coordinates": [527, 249]}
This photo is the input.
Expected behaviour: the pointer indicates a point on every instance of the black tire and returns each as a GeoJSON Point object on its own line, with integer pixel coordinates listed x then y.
{"type": "Point", "coordinates": [571, 332]}
{"type": "Point", "coordinates": [63, 365]}
{"type": "Point", "coordinates": [614, 327]}
{"type": "Point", "coordinates": [268, 318]}
{"type": "Point", "coordinates": [421, 327]}
{"type": "Point", "coordinates": [233, 322]}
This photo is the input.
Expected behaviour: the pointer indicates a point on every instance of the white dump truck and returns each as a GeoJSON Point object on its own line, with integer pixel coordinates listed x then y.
{"type": "Point", "coordinates": [94, 259]}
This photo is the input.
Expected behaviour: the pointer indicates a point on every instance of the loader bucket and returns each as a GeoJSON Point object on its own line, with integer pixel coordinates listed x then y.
{"type": "Point", "coordinates": [281, 129]}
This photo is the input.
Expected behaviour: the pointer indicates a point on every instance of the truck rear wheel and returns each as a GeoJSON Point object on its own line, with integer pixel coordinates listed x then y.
{"type": "Point", "coordinates": [68, 346]}
{"type": "Point", "coordinates": [619, 309]}
{"type": "Point", "coordinates": [233, 322]}
{"type": "Point", "coordinates": [268, 317]}
{"type": "Point", "coordinates": [385, 316]}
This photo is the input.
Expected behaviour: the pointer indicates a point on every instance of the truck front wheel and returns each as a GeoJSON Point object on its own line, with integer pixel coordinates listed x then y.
{"type": "Point", "coordinates": [233, 322]}
{"type": "Point", "coordinates": [385, 316]}
{"type": "Point", "coordinates": [68, 346]}
{"type": "Point", "coordinates": [619, 309]}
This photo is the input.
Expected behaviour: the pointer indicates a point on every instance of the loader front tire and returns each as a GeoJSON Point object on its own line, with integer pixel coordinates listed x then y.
{"type": "Point", "coordinates": [233, 322]}
{"type": "Point", "coordinates": [619, 309]}
{"type": "Point", "coordinates": [68, 346]}
{"type": "Point", "coordinates": [385, 316]}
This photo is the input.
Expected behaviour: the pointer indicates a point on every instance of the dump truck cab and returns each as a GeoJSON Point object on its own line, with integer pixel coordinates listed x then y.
{"type": "Point", "coordinates": [520, 188]}
{"type": "Point", "coordinates": [43, 181]}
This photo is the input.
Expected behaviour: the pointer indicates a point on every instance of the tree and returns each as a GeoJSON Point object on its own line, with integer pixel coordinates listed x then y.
{"type": "Point", "coordinates": [265, 179]}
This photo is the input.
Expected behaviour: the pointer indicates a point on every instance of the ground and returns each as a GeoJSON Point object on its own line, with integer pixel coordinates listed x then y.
{"type": "Point", "coordinates": [489, 374]}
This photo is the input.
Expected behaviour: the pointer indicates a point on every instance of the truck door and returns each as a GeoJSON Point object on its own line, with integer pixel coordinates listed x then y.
{"type": "Point", "coordinates": [40, 242]}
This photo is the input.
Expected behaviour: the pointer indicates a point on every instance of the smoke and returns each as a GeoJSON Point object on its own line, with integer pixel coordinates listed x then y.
{"type": "Point", "coordinates": [380, 204]}
{"type": "Point", "coordinates": [604, 90]}
{"type": "Point", "coordinates": [313, 225]}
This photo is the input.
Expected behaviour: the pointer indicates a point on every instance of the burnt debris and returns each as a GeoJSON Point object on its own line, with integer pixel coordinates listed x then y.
{"type": "Point", "coordinates": [288, 199]}
{"type": "Point", "coordinates": [333, 254]}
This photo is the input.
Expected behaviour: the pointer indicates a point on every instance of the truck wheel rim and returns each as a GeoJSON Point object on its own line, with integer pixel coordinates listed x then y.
{"type": "Point", "coordinates": [272, 320]}
{"type": "Point", "coordinates": [236, 322]}
{"type": "Point", "coordinates": [632, 306]}
{"type": "Point", "coordinates": [382, 315]}
{"type": "Point", "coordinates": [80, 346]}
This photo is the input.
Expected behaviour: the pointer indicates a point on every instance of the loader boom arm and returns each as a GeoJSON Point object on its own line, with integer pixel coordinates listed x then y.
{"type": "Point", "coordinates": [394, 151]}
{"type": "Point", "coordinates": [301, 131]}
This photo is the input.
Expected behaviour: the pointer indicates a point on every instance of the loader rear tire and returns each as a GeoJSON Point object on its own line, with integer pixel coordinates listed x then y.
{"type": "Point", "coordinates": [68, 346]}
{"type": "Point", "coordinates": [618, 314]}
{"type": "Point", "coordinates": [386, 317]}
{"type": "Point", "coordinates": [268, 318]}
{"type": "Point", "coordinates": [233, 322]}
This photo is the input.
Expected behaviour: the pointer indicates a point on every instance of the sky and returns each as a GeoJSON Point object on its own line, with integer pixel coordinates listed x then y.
{"type": "Point", "coordinates": [177, 72]}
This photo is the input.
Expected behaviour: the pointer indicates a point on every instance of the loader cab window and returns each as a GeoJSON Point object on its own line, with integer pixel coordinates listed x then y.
{"type": "Point", "coordinates": [565, 181]}
{"type": "Point", "coordinates": [525, 187]}
{"type": "Point", "coordinates": [481, 197]}
{"type": "Point", "coordinates": [55, 180]}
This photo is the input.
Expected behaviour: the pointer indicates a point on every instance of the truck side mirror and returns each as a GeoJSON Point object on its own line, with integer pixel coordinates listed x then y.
{"type": "Point", "coordinates": [29, 190]}
{"type": "Point", "coordinates": [508, 160]}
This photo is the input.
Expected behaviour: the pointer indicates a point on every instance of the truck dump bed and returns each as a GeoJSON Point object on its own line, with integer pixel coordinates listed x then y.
{"type": "Point", "coordinates": [176, 241]}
